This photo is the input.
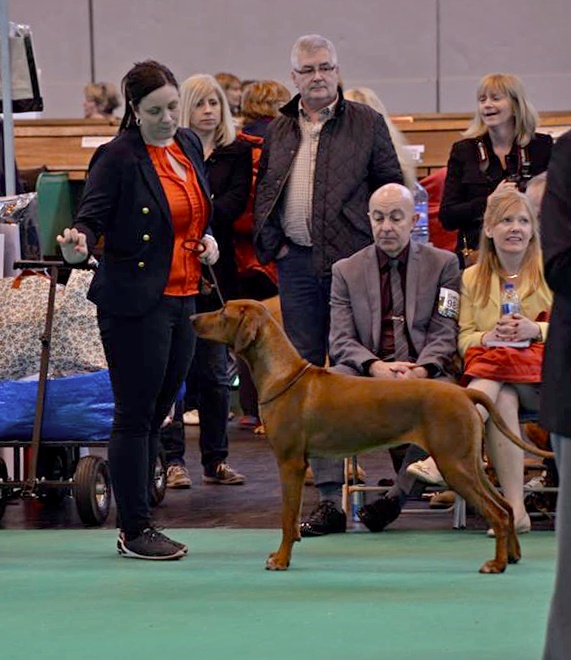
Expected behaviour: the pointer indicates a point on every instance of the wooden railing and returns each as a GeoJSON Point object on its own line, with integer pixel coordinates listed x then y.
{"type": "Point", "coordinates": [68, 144]}
{"type": "Point", "coordinates": [62, 145]}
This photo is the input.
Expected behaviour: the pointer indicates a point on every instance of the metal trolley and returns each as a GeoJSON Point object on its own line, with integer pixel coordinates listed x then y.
{"type": "Point", "coordinates": [55, 469]}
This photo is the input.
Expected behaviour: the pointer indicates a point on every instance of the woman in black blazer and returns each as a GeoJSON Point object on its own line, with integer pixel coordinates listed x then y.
{"type": "Point", "coordinates": [205, 109]}
{"type": "Point", "coordinates": [148, 195]}
{"type": "Point", "coordinates": [501, 150]}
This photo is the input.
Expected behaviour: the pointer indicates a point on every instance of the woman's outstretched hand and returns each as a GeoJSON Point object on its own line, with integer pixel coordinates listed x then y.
{"type": "Point", "coordinates": [73, 245]}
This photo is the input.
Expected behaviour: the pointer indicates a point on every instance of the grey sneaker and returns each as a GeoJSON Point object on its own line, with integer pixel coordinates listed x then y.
{"type": "Point", "coordinates": [225, 475]}
{"type": "Point", "coordinates": [178, 477]}
{"type": "Point", "coordinates": [150, 544]}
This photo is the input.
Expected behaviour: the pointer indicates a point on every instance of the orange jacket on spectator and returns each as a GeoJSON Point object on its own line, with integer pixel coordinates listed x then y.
{"type": "Point", "coordinates": [434, 185]}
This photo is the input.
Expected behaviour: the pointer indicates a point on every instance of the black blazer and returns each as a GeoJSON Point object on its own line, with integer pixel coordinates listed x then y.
{"type": "Point", "coordinates": [124, 200]}
{"type": "Point", "coordinates": [466, 187]}
{"type": "Point", "coordinates": [555, 404]}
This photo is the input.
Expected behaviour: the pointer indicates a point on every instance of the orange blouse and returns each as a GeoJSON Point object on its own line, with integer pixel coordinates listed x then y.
{"type": "Point", "coordinates": [189, 213]}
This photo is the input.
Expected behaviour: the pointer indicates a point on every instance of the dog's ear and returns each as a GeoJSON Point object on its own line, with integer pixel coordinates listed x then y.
{"type": "Point", "coordinates": [247, 330]}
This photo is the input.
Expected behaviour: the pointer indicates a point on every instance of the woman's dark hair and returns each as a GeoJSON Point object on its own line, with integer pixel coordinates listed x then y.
{"type": "Point", "coordinates": [139, 81]}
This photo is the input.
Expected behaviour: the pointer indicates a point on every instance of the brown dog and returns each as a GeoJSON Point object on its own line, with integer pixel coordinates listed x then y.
{"type": "Point", "coordinates": [311, 411]}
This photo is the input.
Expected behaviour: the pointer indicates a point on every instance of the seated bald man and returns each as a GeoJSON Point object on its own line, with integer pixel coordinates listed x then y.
{"type": "Point", "coordinates": [394, 310]}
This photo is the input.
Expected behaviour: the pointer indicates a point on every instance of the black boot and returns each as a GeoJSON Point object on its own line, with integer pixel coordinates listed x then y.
{"type": "Point", "coordinates": [377, 515]}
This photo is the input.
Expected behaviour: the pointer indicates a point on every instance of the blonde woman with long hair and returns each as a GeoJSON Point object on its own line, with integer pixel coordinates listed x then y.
{"type": "Point", "coordinates": [500, 150]}
{"type": "Point", "coordinates": [509, 253]}
{"type": "Point", "coordinates": [204, 109]}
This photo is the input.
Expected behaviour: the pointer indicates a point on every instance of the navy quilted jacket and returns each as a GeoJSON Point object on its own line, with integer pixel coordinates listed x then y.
{"type": "Point", "coordinates": [355, 157]}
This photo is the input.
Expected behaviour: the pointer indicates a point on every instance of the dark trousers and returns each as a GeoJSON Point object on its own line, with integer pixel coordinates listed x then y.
{"type": "Point", "coordinates": [255, 286]}
{"type": "Point", "coordinates": [208, 387]}
{"type": "Point", "coordinates": [148, 358]}
{"type": "Point", "coordinates": [304, 298]}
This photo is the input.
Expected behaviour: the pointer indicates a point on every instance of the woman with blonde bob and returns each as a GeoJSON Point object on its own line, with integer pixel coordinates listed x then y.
{"type": "Point", "coordinates": [204, 108]}
{"type": "Point", "coordinates": [500, 151]}
{"type": "Point", "coordinates": [503, 352]}
{"type": "Point", "coordinates": [367, 96]}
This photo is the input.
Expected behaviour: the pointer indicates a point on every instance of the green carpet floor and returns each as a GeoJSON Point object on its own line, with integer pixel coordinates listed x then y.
{"type": "Point", "coordinates": [397, 595]}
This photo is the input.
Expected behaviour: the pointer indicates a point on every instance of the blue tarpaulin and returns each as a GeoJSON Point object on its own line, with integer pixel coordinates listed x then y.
{"type": "Point", "coordinates": [76, 408]}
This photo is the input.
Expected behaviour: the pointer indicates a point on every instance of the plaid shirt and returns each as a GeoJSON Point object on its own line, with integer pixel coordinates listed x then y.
{"type": "Point", "coordinates": [298, 198]}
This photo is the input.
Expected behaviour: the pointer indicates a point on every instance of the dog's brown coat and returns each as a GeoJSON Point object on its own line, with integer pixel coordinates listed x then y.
{"type": "Point", "coordinates": [311, 411]}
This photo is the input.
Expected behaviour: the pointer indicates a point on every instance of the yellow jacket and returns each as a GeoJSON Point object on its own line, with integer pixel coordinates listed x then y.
{"type": "Point", "coordinates": [476, 319]}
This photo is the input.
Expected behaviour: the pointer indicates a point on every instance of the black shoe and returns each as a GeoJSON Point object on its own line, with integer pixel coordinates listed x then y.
{"type": "Point", "coordinates": [150, 544]}
{"type": "Point", "coordinates": [324, 519]}
{"type": "Point", "coordinates": [377, 515]}
{"type": "Point", "coordinates": [182, 546]}
{"type": "Point", "coordinates": [386, 483]}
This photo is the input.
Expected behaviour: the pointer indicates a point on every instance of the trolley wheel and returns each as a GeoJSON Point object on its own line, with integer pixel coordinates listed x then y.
{"type": "Point", "coordinates": [53, 464]}
{"type": "Point", "coordinates": [92, 490]}
{"type": "Point", "coordinates": [159, 483]}
{"type": "Point", "coordinates": [4, 492]}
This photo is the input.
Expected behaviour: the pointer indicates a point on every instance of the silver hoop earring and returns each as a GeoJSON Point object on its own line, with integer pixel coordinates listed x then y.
{"type": "Point", "coordinates": [138, 121]}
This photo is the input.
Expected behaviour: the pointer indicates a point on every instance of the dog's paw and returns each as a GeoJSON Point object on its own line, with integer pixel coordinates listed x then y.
{"type": "Point", "coordinates": [514, 550]}
{"type": "Point", "coordinates": [274, 563]}
{"type": "Point", "coordinates": [493, 566]}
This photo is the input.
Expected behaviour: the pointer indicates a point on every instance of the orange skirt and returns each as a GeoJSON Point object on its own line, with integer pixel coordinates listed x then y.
{"type": "Point", "coordinates": [505, 364]}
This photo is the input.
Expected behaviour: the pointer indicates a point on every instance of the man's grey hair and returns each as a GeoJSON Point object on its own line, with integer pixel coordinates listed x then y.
{"type": "Point", "coordinates": [310, 43]}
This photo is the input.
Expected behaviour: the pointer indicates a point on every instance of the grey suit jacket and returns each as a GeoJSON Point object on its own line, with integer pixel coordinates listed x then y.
{"type": "Point", "coordinates": [356, 307]}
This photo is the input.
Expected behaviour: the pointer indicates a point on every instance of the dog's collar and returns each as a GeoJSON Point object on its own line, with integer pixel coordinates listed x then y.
{"type": "Point", "coordinates": [286, 387]}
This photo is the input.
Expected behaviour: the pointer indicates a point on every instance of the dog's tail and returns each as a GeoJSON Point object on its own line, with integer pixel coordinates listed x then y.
{"type": "Point", "coordinates": [483, 399]}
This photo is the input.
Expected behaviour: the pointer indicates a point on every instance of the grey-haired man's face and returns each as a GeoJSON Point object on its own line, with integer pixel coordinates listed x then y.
{"type": "Point", "coordinates": [316, 77]}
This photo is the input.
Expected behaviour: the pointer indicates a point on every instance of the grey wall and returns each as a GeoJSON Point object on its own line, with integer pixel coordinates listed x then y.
{"type": "Point", "coordinates": [418, 55]}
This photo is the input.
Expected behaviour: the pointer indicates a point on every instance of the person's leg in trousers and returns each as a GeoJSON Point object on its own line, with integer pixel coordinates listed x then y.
{"type": "Point", "coordinates": [558, 635]}
{"type": "Point", "coordinates": [328, 472]}
{"type": "Point", "coordinates": [214, 403]}
{"type": "Point", "coordinates": [406, 485]}
{"type": "Point", "coordinates": [305, 304]}
{"type": "Point", "coordinates": [180, 358]}
{"type": "Point", "coordinates": [255, 286]}
{"type": "Point", "coordinates": [191, 394]}
{"type": "Point", "coordinates": [247, 391]}
{"type": "Point", "coordinates": [138, 352]}
{"type": "Point", "coordinates": [172, 437]}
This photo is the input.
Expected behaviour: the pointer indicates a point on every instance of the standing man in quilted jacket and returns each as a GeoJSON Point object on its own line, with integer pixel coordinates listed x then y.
{"type": "Point", "coordinates": [322, 159]}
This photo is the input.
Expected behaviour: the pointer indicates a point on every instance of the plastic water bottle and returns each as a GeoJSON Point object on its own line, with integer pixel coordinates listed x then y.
{"type": "Point", "coordinates": [510, 300]}
{"type": "Point", "coordinates": [420, 232]}
{"type": "Point", "coordinates": [357, 501]}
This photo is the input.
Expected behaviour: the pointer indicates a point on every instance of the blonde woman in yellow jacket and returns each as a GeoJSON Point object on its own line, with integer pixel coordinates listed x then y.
{"type": "Point", "coordinates": [509, 253]}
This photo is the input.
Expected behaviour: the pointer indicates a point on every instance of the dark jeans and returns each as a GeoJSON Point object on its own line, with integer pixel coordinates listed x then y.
{"type": "Point", "coordinates": [208, 385]}
{"type": "Point", "coordinates": [304, 300]}
{"type": "Point", "coordinates": [255, 286]}
{"type": "Point", "coordinates": [148, 358]}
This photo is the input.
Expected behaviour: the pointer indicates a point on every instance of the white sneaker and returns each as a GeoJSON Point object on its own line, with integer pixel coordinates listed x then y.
{"type": "Point", "coordinates": [522, 526]}
{"type": "Point", "coordinates": [426, 471]}
{"type": "Point", "coordinates": [535, 483]}
{"type": "Point", "coordinates": [191, 418]}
